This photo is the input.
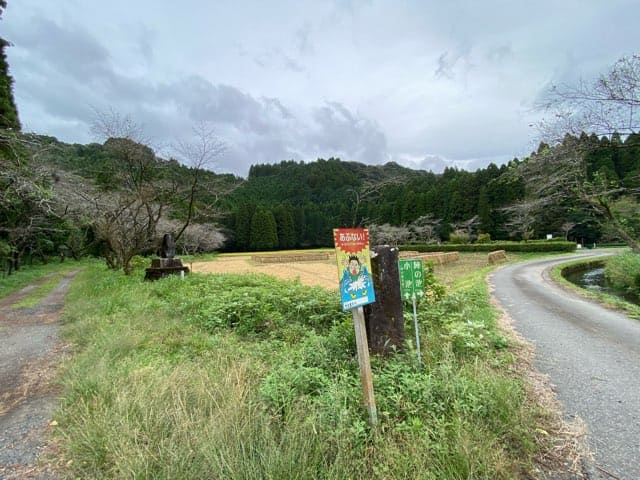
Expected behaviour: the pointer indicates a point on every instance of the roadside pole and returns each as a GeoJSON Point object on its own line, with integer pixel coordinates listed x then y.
{"type": "Point", "coordinates": [412, 288]}
{"type": "Point", "coordinates": [366, 378]}
{"type": "Point", "coordinates": [415, 324]}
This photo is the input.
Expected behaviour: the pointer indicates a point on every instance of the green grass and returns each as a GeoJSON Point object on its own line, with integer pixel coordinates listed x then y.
{"type": "Point", "coordinates": [29, 274]}
{"type": "Point", "coordinates": [247, 377]}
{"type": "Point", "coordinates": [623, 272]}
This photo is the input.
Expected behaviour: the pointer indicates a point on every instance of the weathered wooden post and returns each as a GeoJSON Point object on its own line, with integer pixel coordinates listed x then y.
{"type": "Point", "coordinates": [384, 318]}
{"type": "Point", "coordinates": [366, 379]}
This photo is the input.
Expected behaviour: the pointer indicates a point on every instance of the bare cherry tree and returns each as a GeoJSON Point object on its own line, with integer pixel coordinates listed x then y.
{"type": "Point", "coordinates": [554, 174]}
{"type": "Point", "coordinates": [523, 216]}
{"type": "Point", "coordinates": [425, 229]}
{"type": "Point", "coordinates": [466, 227]}
{"type": "Point", "coordinates": [196, 238]}
{"type": "Point", "coordinates": [388, 234]}
{"type": "Point", "coordinates": [125, 216]}
{"type": "Point", "coordinates": [609, 104]}
{"type": "Point", "coordinates": [200, 153]}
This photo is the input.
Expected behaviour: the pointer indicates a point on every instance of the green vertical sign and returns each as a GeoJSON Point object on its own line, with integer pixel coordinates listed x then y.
{"type": "Point", "coordinates": [411, 279]}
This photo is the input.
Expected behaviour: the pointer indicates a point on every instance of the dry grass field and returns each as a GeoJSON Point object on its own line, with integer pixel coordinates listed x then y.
{"type": "Point", "coordinates": [324, 273]}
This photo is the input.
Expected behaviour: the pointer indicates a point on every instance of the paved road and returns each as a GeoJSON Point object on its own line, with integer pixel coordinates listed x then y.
{"type": "Point", "coordinates": [590, 353]}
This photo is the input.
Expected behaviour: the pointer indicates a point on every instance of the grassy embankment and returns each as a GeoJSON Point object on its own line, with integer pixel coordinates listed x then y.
{"type": "Point", "coordinates": [248, 377]}
{"type": "Point", "coordinates": [622, 270]}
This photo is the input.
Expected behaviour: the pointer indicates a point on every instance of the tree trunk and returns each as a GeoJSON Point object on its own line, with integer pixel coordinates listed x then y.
{"type": "Point", "coordinates": [384, 318]}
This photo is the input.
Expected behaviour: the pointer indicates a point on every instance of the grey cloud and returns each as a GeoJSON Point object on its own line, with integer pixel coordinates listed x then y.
{"type": "Point", "coordinates": [341, 133]}
{"type": "Point", "coordinates": [278, 59]}
{"type": "Point", "coordinates": [242, 155]}
{"type": "Point", "coordinates": [144, 44]}
{"type": "Point", "coordinates": [449, 62]}
{"type": "Point", "coordinates": [435, 163]}
{"type": "Point", "coordinates": [303, 41]}
{"type": "Point", "coordinates": [500, 53]}
{"type": "Point", "coordinates": [277, 105]}
{"type": "Point", "coordinates": [202, 100]}
{"type": "Point", "coordinates": [66, 65]}
{"type": "Point", "coordinates": [73, 50]}
{"type": "Point", "coordinates": [445, 67]}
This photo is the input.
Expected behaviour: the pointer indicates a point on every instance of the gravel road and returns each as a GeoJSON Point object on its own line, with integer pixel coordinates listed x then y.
{"type": "Point", "coordinates": [591, 354]}
{"type": "Point", "coordinates": [30, 353]}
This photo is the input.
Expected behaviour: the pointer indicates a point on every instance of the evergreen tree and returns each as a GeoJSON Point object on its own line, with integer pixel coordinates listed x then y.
{"type": "Point", "coordinates": [484, 213]}
{"type": "Point", "coordinates": [264, 231]}
{"type": "Point", "coordinates": [300, 224]}
{"type": "Point", "coordinates": [243, 219]}
{"type": "Point", "coordinates": [286, 228]}
{"type": "Point", "coordinates": [8, 110]}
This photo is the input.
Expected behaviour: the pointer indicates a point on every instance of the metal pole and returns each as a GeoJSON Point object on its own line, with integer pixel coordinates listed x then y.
{"type": "Point", "coordinates": [415, 323]}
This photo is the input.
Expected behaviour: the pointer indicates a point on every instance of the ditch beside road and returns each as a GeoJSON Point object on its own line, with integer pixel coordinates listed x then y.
{"type": "Point", "coordinates": [590, 353]}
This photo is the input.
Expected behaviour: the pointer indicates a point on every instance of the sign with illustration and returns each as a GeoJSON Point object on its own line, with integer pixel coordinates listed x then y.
{"type": "Point", "coordinates": [354, 267]}
{"type": "Point", "coordinates": [411, 279]}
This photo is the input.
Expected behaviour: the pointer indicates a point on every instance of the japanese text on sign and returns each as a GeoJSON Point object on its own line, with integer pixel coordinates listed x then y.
{"type": "Point", "coordinates": [354, 267]}
{"type": "Point", "coordinates": [411, 279]}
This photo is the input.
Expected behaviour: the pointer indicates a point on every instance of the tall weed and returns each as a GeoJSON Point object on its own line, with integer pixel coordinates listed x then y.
{"type": "Point", "coordinates": [623, 272]}
{"type": "Point", "coordinates": [248, 377]}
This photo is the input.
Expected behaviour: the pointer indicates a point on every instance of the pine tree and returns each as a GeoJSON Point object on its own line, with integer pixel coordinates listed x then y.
{"type": "Point", "coordinates": [8, 110]}
{"type": "Point", "coordinates": [264, 232]}
{"type": "Point", "coordinates": [243, 218]}
{"type": "Point", "coordinates": [286, 228]}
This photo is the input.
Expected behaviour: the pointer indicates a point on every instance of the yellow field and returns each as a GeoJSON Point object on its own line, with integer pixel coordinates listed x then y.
{"type": "Point", "coordinates": [324, 273]}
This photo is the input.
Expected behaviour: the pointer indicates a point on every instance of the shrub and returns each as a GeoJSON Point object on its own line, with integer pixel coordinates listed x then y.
{"type": "Point", "coordinates": [484, 238]}
{"type": "Point", "coordinates": [535, 246]}
{"type": "Point", "coordinates": [459, 238]}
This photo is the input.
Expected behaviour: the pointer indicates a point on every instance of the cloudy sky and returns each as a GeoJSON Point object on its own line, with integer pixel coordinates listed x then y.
{"type": "Point", "coordinates": [424, 83]}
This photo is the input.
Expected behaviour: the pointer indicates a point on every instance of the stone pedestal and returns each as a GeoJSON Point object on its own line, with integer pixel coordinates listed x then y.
{"type": "Point", "coordinates": [162, 267]}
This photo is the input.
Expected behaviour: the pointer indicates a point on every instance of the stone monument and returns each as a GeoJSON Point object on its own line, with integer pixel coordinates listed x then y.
{"type": "Point", "coordinates": [166, 264]}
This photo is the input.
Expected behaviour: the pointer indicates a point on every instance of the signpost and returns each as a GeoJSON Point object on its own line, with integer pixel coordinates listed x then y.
{"type": "Point", "coordinates": [412, 288]}
{"type": "Point", "coordinates": [356, 290]}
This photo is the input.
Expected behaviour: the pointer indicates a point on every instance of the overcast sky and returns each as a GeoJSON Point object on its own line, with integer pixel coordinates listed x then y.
{"type": "Point", "coordinates": [423, 83]}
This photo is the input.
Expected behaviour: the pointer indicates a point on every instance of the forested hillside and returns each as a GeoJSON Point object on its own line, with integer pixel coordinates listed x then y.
{"type": "Point", "coordinates": [315, 197]}
{"type": "Point", "coordinates": [306, 200]}
{"type": "Point", "coordinates": [88, 199]}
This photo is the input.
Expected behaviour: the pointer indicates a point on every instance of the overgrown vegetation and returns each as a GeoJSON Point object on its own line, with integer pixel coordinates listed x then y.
{"type": "Point", "coordinates": [623, 272]}
{"type": "Point", "coordinates": [249, 377]}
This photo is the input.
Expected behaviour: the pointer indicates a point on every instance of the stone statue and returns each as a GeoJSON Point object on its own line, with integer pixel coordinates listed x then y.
{"type": "Point", "coordinates": [166, 264]}
{"type": "Point", "coordinates": [168, 248]}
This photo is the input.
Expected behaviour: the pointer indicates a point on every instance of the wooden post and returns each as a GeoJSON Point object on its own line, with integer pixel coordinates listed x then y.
{"type": "Point", "coordinates": [365, 365]}
{"type": "Point", "coordinates": [385, 319]}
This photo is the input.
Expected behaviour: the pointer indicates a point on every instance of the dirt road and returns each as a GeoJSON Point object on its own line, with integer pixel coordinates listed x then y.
{"type": "Point", "coordinates": [30, 354]}
{"type": "Point", "coordinates": [590, 353]}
